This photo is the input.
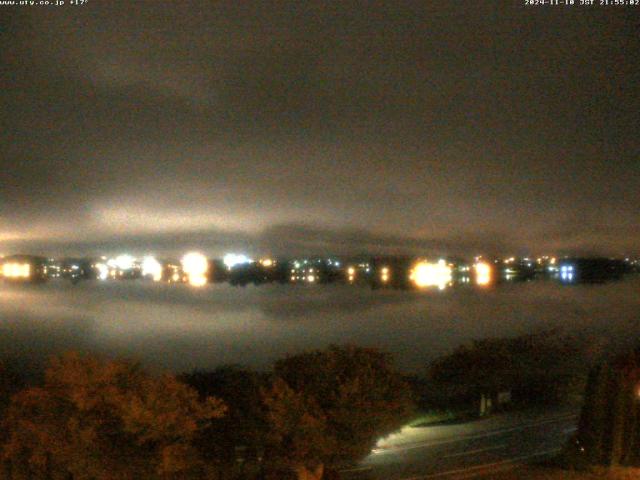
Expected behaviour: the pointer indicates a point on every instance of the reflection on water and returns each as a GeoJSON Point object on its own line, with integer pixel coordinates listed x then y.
{"type": "Point", "coordinates": [179, 328]}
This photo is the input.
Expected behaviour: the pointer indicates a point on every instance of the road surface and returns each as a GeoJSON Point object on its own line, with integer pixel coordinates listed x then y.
{"type": "Point", "coordinates": [467, 450]}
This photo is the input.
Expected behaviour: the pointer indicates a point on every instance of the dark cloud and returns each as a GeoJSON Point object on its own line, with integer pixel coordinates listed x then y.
{"type": "Point", "coordinates": [374, 126]}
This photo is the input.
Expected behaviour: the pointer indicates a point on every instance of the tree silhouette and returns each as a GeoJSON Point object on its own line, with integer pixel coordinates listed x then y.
{"type": "Point", "coordinates": [539, 367]}
{"type": "Point", "coordinates": [328, 407]}
{"type": "Point", "coordinates": [243, 427]}
{"type": "Point", "coordinates": [609, 427]}
{"type": "Point", "coordinates": [98, 419]}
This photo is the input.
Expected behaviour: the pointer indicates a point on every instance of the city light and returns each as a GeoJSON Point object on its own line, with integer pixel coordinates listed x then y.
{"type": "Point", "coordinates": [483, 273]}
{"type": "Point", "coordinates": [567, 273]}
{"type": "Point", "coordinates": [351, 272]}
{"type": "Point", "coordinates": [16, 270]}
{"type": "Point", "coordinates": [103, 271]}
{"type": "Point", "coordinates": [195, 266]}
{"type": "Point", "coordinates": [124, 262]}
{"type": "Point", "coordinates": [267, 262]}
{"type": "Point", "coordinates": [152, 268]}
{"type": "Point", "coordinates": [425, 274]}
{"type": "Point", "coordinates": [233, 259]}
{"type": "Point", "coordinates": [384, 275]}
{"type": "Point", "coordinates": [197, 280]}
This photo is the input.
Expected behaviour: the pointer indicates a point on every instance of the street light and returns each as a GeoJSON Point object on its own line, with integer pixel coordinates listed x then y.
{"type": "Point", "coordinates": [195, 266]}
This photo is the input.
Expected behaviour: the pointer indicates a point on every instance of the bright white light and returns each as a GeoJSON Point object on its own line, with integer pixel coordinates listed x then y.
{"type": "Point", "coordinates": [267, 262]}
{"type": "Point", "coordinates": [16, 270]}
{"type": "Point", "coordinates": [124, 262]}
{"type": "Point", "coordinates": [103, 271]}
{"type": "Point", "coordinates": [311, 278]}
{"type": "Point", "coordinates": [152, 268]}
{"type": "Point", "coordinates": [483, 273]}
{"type": "Point", "coordinates": [197, 281]}
{"type": "Point", "coordinates": [233, 259]}
{"type": "Point", "coordinates": [425, 274]}
{"type": "Point", "coordinates": [195, 266]}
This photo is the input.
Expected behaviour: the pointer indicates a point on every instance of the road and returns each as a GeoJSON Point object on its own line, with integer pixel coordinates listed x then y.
{"type": "Point", "coordinates": [467, 450]}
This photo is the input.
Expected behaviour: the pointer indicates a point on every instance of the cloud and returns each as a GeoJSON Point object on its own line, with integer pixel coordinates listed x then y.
{"type": "Point", "coordinates": [417, 125]}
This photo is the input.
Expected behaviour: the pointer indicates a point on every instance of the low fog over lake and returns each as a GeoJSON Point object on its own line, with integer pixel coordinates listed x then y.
{"type": "Point", "coordinates": [179, 328]}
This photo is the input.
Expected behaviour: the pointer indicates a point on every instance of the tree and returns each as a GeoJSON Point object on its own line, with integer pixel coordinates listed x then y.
{"type": "Point", "coordinates": [537, 367]}
{"type": "Point", "coordinates": [10, 382]}
{"type": "Point", "coordinates": [328, 407]}
{"type": "Point", "coordinates": [298, 435]}
{"type": "Point", "coordinates": [99, 419]}
{"type": "Point", "coordinates": [609, 427]}
{"type": "Point", "coordinates": [242, 428]}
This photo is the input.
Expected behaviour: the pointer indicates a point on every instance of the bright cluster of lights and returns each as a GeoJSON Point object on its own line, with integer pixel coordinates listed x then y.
{"type": "Point", "coordinates": [233, 259]}
{"type": "Point", "coordinates": [483, 273]}
{"type": "Point", "coordinates": [16, 270]}
{"type": "Point", "coordinates": [195, 266]}
{"type": "Point", "coordinates": [152, 268]}
{"type": "Point", "coordinates": [124, 262]}
{"type": "Point", "coordinates": [103, 271]}
{"type": "Point", "coordinates": [351, 272]}
{"type": "Point", "coordinates": [567, 273]}
{"type": "Point", "coordinates": [385, 274]}
{"type": "Point", "coordinates": [310, 275]}
{"type": "Point", "coordinates": [426, 274]}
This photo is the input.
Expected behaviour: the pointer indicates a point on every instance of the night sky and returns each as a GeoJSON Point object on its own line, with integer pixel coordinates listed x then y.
{"type": "Point", "coordinates": [299, 127]}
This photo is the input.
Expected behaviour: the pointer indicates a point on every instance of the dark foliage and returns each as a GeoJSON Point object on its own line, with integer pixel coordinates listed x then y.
{"type": "Point", "coordinates": [538, 368]}
{"type": "Point", "coordinates": [609, 429]}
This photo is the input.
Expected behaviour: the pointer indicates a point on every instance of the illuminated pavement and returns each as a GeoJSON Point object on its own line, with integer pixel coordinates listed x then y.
{"type": "Point", "coordinates": [468, 449]}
